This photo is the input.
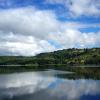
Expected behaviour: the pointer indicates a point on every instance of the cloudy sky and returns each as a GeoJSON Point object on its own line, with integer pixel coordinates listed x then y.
{"type": "Point", "coordinates": [29, 27]}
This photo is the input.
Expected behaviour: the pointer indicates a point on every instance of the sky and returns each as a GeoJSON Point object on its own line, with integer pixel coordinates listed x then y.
{"type": "Point", "coordinates": [30, 27]}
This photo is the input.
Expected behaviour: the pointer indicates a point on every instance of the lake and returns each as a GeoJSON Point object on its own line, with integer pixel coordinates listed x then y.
{"type": "Point", "coordinates": [47, 85]}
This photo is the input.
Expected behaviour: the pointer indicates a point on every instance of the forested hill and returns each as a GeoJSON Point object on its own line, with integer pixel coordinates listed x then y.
{"type": "Point", "coordinates": [72, 56]}
{"type": "Point", "coordinates": [67, 56]}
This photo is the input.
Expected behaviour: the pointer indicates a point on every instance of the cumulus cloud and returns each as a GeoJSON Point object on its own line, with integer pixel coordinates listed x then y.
{"type": "Point", "coordinates": [28, 31]}
{"type": "Point", "coordinates": [73, 38]}
{"type": "Point", "coordinates": [28, 21]}
{"type": "Point", "coordinates": [85, 7]}
{"type": "Point", "coordinates": [23, 31]}
{"type": "Point", "coordinates": [11, 44]}
{"type": "Point", "coordinates": [79, 7]}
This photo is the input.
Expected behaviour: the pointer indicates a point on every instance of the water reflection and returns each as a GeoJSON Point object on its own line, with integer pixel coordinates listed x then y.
{"type": "Point", "coordinates": [43, 85]}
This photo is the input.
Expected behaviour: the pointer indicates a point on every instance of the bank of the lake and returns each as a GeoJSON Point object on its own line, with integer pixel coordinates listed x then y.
{"type": "Point", "coordinates": [84, 62]}
{"type": "Point", "coordinates": [80, 71]}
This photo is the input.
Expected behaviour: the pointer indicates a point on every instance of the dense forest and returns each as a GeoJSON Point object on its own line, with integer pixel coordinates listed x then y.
{"type": "Point", "coordinates": [66, 57]}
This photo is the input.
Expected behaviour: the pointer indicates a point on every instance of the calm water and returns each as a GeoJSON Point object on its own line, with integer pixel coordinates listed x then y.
{"type": "Point", "coordinates": [45, 85]}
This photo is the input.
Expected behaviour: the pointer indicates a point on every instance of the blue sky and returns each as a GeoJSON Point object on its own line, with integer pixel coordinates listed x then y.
{"type": "Point", "coordinates": [48, 25]}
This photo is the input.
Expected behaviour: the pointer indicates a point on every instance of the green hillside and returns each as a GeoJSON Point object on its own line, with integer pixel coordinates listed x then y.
{"type": "Point", "coordinates": [68, 56]}
{"type": "Point", "coordinates": [71, 56]}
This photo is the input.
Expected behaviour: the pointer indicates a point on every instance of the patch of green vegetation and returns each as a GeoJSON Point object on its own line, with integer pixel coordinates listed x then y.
{"type": "Point", "coordinates": [71, 56]}
{"type": "Point", "coordinates": [67, 56]}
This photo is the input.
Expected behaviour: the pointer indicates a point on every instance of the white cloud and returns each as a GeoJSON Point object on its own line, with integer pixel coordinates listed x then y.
{"type": "Point", "coordinates": [27, 31]}
{"type": "Point", "coordinates": [84, 7]}
{"type": "Point", "coordinates": [79, 7]}
{"type": "Point", "coordinates": [71, 38]}
{"type": "Point", "coordinates": [23, 45]}
{"type": "Point", "coordinates": [28, 21]}
{"type": "Point", "coordinates": [24, 30]}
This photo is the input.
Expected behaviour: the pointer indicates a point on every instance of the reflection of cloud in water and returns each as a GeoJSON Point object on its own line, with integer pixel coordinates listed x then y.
{"type": "Point", "coordinates": [34, 86]}
{"type": "Point", "coordinates": [21, 84]}
{"type": "Point", "coordinates": [74, 89]}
